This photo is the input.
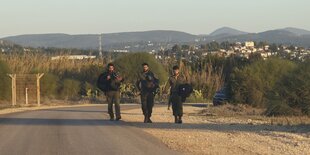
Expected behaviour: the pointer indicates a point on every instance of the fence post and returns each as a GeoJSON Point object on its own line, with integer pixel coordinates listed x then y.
{"type": "Point", "coordinates": [13, 78]}
{"type": "Point", "coordinates": [39, 76]}
{"type": "Point", "coordinates": [26, 96]}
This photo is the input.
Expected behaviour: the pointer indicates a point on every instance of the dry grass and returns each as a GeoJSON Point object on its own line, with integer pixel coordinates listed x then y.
{"type": "Point", "coordinates": [29, 62]}
{"type": "Point", "coordinates": [252, 115]}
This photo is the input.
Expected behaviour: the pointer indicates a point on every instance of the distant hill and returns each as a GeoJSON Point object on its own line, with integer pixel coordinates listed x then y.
{"type": "Point", "coordinates": [297, 31]}
{"type": "Point", "coordinates": [227, 31]}
{"type": "Point", "coordinates": [290, 36]}
{"type": "Point", "coordinates": [280, 36]}
{"type": "Point", "coordinates": [90, 41]}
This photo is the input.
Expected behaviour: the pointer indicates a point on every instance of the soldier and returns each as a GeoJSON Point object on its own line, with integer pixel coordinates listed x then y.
{"type": "Point", "coordinates": [109, 82]}
{"type": "Point", "coordinates": [147, 84]}
{"type": "Point", "coordinates": [175, 99]}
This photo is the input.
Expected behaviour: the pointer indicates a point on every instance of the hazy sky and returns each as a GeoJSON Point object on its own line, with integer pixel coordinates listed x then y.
{"type": "Point", "coordinates": [106, 16]}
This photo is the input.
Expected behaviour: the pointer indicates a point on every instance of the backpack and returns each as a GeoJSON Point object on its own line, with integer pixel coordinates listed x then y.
{"type": "Point", "coordinates": [185, 91]}
{"type": "Point", "coordinates": [102, 83]}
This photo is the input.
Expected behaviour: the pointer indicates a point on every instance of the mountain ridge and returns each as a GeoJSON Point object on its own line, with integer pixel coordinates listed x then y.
{"type": "Point", "coordinates": [289, 35]}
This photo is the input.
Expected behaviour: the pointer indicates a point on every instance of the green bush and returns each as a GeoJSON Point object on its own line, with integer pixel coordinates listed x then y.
{"type": "Point", "coordinates": [70, 89]}
{"type": "Point", "coordinates": [251, 84]}
{"type": "Point", "coordinates": [88, 74]}
{"type": "Point", "coordinates": [278, 109]}
{"type": "Point", "coordinates": [49, 85]}
{"type": "Point", "coordinates": [5, 84]}
{"type": "Point", "coordinates": [129, 65]}
{"type": "Point", "coordinates": [293, 91]}
{"type": "Point", "coordinates": [87, 89]}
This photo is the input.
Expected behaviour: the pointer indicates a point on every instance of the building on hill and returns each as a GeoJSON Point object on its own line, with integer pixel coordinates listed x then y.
{"type": "Point", "coordinates": [249, 44]}
{"type": "Point", "coordinates": [73, 57]}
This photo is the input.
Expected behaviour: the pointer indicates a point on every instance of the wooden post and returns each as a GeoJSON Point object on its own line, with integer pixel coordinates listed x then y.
{"type": "Point", "coordinates": [39, 76]}
{"type": "Point", "coordinates": [13, 77]}
{"type": "Point", "coordinates": [26, 96]}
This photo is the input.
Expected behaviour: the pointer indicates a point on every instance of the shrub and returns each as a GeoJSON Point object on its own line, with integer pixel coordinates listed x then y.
{"type": "Point", "coordinates": [5, 84]}
{"type": "Point", "coordinates": [49, 85]}
{"type": "Point", "coordinates": [293, 91]}
{"type": "Point", "coordinates": [129, 65]}
{"type": "Point", "coordinates": [251, 84]}
{"type": "Point", "coordinates": [70, 89]}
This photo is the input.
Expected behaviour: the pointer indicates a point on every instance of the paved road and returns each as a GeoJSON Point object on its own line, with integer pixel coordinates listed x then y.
{"type": "Point", "coordinates": [76, 130]}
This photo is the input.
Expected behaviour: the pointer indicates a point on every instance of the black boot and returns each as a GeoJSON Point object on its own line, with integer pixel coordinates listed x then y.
{"type": "Point", "coordinates": [111, 117]}
{"type": "Point", "coordinates": [118, 118]}
{"type": "Point", "coordinates": [145, 119]}
{"type": "Point", "coordinates": [180, 120]}
{"type": "Point", "coordinates": [149, 120]}
{"type": "Point", "coordinates": [176, 120]}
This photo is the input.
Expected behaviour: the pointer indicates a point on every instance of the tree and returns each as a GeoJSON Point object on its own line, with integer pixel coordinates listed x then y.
{"type": "Point", "coordinates": [129, 65]}
{"type": "Point", "coordinates": [273, 47]}
{"type": "Point", "coordinates": [261, 44]}
{"type": "Point", "coordinates": [5, 84]}
{"type": "Point", "coordinates": [213, 46]}
{"type": "Point", "coordinates": [225, 45]}
{"type": "Point", "coordinates": [252, 84]}
{"type": "Point", "coordinates": [176, 48]}
{"type": "Point", "coordinates": [185, 47]}
{"type": "Point", "coordinates": [291, 95]}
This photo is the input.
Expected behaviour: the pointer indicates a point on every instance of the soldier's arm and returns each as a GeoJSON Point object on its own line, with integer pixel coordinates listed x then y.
{"type": "Point", "coordinates": [119, 78]}
{"type": "Point", "coordinates": [166, 86]}
{"type": "Point", "coordinates": [165, 90]}
{"type": "Point", "coordinates": [137, 84]}
{"type": "Point", "coordinates": [156, 78]}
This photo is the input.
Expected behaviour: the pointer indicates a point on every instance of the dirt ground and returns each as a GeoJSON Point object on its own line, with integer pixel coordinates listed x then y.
{"type": "Point", "coordinates": [204, 133]}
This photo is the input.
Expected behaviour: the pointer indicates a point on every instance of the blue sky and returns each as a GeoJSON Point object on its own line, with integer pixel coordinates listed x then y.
{"type": "Point", "coordinates": [106, 16]}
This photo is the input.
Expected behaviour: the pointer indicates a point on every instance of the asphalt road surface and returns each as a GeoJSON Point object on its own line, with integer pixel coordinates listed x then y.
{"type": "Point", "coordinates": [76, 131]}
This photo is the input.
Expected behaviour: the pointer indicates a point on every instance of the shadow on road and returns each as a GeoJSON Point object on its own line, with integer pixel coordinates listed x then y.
{"type": "Point", "coordinates": [67, 110]}
{"type": "Point", "coordinates": [156, 125]}
{"type": "Point", "coordinates": [225, 127]}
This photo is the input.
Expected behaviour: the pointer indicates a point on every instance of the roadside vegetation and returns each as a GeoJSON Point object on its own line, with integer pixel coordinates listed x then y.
{"type": "Point", "coordinates": [281, 87]}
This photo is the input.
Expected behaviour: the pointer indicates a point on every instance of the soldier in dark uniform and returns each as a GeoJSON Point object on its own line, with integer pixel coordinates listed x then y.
{"type": "Point", "coordinates": [175, 99]}
{"type": "Point", "coordinates": [147, 84]}
{"type": "Point", "coordinates": [109, 82]}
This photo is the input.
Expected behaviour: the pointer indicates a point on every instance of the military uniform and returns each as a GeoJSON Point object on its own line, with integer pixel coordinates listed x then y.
{"type": "Point", "coordinates": [175, 99]}
{"type": "Point", "coordinates": [112, 93]}
{"type": "Point", "coordinates": [147, 88]}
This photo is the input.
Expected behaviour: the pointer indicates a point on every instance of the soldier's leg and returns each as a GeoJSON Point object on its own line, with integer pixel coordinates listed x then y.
{"type": "Point", "coordinates": [174, 107]}
{"type": "Point", "coordinates": [150, 105]}
{"type": "Point", "coordinates": [144, 106]}
{"type": "Point", "coordinates": [177, 108]}
{"type": "Point", "coordinates": [117, 105]}
{"type": "Point", "coordinates": [180, 109]}
{"type": "Point", "coordinates": [174, 100]}
{"type": "Point", "coordinates": [110, 104]}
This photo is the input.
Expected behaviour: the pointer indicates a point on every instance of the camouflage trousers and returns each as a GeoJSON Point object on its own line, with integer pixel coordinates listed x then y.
{"type": "Point", "coordinates": [113, 97]}
{"type": "Point", "coordinates": [147, 103]}
{"type": "Point", "coordinates": [177, 104]}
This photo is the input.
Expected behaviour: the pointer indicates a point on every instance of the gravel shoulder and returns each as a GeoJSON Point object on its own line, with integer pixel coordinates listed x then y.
{"type": "Point", "coordinates": [201, 134]}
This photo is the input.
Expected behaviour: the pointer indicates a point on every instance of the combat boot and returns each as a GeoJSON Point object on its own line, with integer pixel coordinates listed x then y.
{"type": "Point", "coordinates": [118, 118]}
{"type": "Point", "coordinates": [111, 118]}
{"type": "Point", "coordinates": [176, 120]}
{"type": "Point", "coordinates": [145, 119]}
{"type": "Point", "coordinates": [180, 120]}
{"type": "Point", "coordinates": [149, 120]}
